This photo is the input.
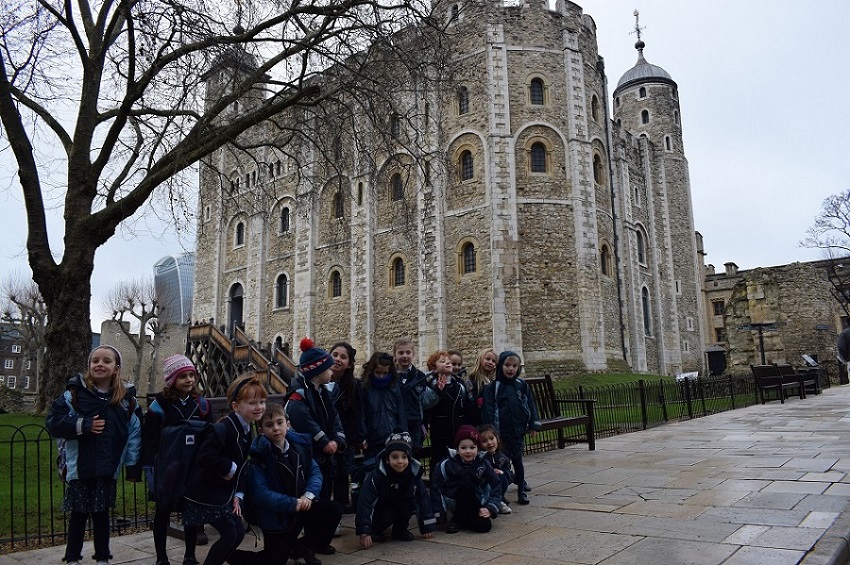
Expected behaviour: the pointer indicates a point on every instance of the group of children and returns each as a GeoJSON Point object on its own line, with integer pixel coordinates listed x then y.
{"type": "Point", "coordinates": [294, 480]}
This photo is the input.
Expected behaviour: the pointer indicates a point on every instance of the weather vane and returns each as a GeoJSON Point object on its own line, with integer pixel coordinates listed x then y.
{"type": "Point", "coordinates": [637, 25]}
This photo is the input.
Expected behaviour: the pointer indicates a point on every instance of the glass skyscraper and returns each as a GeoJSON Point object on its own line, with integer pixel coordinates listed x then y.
{"type": "Point", "coordinates": [174, 279]}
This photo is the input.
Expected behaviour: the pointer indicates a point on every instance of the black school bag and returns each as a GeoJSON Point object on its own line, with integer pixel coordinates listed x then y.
{"type": "Point", "coordinates": [172, 466]}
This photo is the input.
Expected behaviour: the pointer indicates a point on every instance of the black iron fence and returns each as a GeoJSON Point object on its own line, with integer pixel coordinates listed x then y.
{"type": "Point", "coordinates": [31, 497]}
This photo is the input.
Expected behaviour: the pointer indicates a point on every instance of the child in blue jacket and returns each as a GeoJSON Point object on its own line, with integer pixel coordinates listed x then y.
{"type": "Point", "coordinates": [509, 407]}
{"type": "Point", "coordinates": [98, 417]}
{"type": "Point", "coordinates": [282, 487]}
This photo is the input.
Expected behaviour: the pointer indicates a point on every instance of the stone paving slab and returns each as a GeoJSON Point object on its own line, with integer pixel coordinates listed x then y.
{"type": "Point", "coordinates": [766, 484]}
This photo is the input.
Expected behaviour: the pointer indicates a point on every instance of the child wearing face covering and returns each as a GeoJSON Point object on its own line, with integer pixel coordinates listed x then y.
{"type": "Point", "coordinates": [392, 493]}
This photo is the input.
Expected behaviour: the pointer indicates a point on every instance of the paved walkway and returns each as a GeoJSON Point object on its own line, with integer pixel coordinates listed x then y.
{"type": "Point", "coordinates": [760, 485]}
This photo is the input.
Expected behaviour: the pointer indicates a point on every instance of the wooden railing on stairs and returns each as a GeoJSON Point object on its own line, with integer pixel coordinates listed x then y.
{"type": "Point", "coordinates": [219, 360]}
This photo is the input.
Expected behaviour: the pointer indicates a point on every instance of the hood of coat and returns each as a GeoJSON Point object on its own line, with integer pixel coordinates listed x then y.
{"type": "Point", "coordinates": [503, 356]}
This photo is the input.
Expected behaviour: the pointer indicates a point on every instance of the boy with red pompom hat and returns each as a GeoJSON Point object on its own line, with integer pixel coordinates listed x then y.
{"type": "Point", "coordinates": [311, 411]}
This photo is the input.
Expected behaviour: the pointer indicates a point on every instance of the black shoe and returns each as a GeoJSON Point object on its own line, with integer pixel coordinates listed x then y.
{"type": "Point", "coordinates": [522, 498]}
{"type": "Point", "coordinates": [302, 551]}
{"type": "Point", "coordinates": [403, 535]}
{"type": "Point", "coordinates": [525, 486]}
{"type": "Point", "coordinates": [452, 527]}
{"type": "Point", "coordinates": [379, 537]}
{"type": "Point", "coordinates": [327, 550]}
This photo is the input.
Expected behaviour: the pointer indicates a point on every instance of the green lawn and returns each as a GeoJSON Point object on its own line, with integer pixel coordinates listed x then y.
{"type": "Point", "coordinates": [597, 379]}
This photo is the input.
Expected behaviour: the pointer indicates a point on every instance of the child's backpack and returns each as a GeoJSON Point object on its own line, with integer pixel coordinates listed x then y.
{"type": "Point", "coordinates": [62, 443]}
{"type": "Point", "coordinates": [172, 465]}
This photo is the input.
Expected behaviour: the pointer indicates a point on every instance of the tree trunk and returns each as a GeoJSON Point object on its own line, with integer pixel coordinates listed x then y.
{"type": "Point", "coordinates": [68, 337]}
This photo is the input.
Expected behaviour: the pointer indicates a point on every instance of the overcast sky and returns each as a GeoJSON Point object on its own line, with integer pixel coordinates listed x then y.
{"type": "Point", "coordinates": [761, 85]}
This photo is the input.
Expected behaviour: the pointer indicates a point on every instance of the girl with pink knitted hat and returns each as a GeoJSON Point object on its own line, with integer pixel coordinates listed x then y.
{"type": "Point", "coordinates": [179, 400]}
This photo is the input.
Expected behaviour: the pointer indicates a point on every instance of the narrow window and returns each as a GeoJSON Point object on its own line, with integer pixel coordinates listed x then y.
{"type": "Point", "coordinates": [281, 293]}
{"type": "Point", "coordinates": [339, 206]}
{"type": "Point", "coordinates": [644, 117]}
{"type": "Point", "coordinates": [538, 158]}
{"type": "Point", "coordinates": [605, 260]}
{"type": "Point", "coordinates": [284, 220]}
{"type": "Point", "coordinates": [398, 272]}
{"type": "Point", "coordinates": [642, 92]}
{"type": "Point", "coordinates": [467, 168]}
{"type": "Point", "coordinates": [240, 234]}
{"type": "Point", "coordinates": [359, 193]}
{"type": "Point", "coordinates": [397, 187]}
{"type": "Point", "coordinates": [719, 334]}
{"type": "Point", "coordinates": [455, 13]}
{"type": "Point", "coordinates": [676, 117]}
{"type": "Point", "coordinates": [462, 100]}
{"type": "Point", "coordinates": [469, 259]}
{"type": "Point", "coordinates": [535, 91]}
{"type": "Point", "coordinates": [207, 213]}
{"type": "Point", "coordinates": [617, 102]}
{"type": "Point", "coordinates": [271, 170]}
{"type": "Point", "coordinates": [395, 125]}
{"type": "Point", "coordinates": [647, 317]}
{"type": "Point", "coordinates": [668, 145]}
{"type": "Point", "coordinates": [594, 108]}
{"type": "Point", "coordinates": [336, 284]}
{"type": "Point", "coordinates": [641, 248]}
{"type": "Point", "coordinates": [598, 169]}
{"type": "Point", "coordinates": [278, 167]}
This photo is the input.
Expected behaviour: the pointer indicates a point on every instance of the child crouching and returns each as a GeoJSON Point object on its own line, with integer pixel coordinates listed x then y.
{"type": "Point", "coordinates": [466, 484]}
{"type": "Point", "coordinates": [282, 486]}
{"type": "Point", "coordinates": [489, 445]}
{"type": "Point", "coordinates": [392, 493]}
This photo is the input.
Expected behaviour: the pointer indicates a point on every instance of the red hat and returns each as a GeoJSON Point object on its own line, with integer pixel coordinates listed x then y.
{"type": "Point", "coordinates": [175, 366]}
{"type": "Point", "coordinates": [466, 432]}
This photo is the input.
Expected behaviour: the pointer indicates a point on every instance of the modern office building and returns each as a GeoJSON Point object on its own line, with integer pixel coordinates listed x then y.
{"type": "Point", "coordinates": [174, 279]}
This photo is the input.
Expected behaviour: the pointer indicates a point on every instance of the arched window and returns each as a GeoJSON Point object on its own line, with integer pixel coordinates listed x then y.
{"type": "Point", "coordinates": [462, 100]}
{"type": "Point", "coordinates": [594, 108]}
{"type": "Point", "coordinates": [239, 236]}
{"type": "Point", "coordinates": [397, 187]}
{"type": "Point", "coordinates": [339, 205]}
{"type": "Point", "coordinates": [281, 291]}
{"type": "Point", "coordinates": [336, 284]}
{"type": "Point", "coordinates": [398, 272]}
{"type": "Point", "coordinates": [535, 91]}
{"type": "Point", "coordinates": [668, 144]}
{"type": "Point", "coordinates": [647, 312]}
{"type": "Point", "coordinates": [642, 92]}
{"type": "Point", "coordinates": [598, 169]}
{"type": "Point", "coordinates": [538, 158]}
{"type": "Point", "coordinates": [467, 168]}
{"type": "Point", "coordinates": [641, 247]}
{"type": "Point", "coordinates": [644, 117]}
{"type": "Point", "coordinates": [284, 219]}
{"type": "Point", "coordinates": [605, 260]}
{"type": "Point", "coordinates": [470, 263]}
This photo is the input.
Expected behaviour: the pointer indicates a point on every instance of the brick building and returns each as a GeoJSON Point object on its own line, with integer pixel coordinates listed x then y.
{"type": "Point", "coordinates": [537, 212]}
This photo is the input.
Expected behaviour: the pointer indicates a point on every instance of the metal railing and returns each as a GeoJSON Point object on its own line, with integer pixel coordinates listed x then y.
{"type": "Point", "coordinates": [31, 493]}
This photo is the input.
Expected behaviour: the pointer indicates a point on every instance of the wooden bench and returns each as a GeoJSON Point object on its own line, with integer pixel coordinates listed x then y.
{"type": "Point", "coordinates": [808, 381]}
{"type": "Point", "coordinates": [551, 418]}
{"type": "Point", "coordinates": [768, 379]}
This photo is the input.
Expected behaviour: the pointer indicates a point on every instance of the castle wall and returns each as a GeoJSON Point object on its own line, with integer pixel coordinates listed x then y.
{"type": "Point", "coordinates": [537, 286]}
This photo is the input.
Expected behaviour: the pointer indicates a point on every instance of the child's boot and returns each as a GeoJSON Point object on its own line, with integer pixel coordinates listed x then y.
{"type": "Point", "coordinates": [522, 498]}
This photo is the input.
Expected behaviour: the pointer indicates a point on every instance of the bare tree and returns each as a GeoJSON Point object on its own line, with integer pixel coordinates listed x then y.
{"type": "Point", "coordinates": [24, 308]}
{"type": "Point", "coordinates": [134, 306]}
{"type": "Point", "coordinates": [831, 233]}
{"type": "Point", "coordinates": [110, 93]}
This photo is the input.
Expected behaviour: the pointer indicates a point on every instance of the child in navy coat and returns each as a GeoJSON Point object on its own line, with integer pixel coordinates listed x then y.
{"type": "Point", "coordinates": [392, 493]}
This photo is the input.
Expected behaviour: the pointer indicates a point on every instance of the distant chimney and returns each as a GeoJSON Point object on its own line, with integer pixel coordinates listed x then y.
{"type": "Point", "coordinates": [709, 269]}
{"type": "Point", "coordinates": [731, 269]}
